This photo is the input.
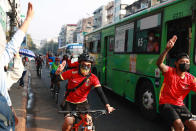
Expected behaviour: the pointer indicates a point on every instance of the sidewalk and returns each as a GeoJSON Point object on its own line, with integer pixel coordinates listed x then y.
{"type": "Point", "coordinates": [19, 102]}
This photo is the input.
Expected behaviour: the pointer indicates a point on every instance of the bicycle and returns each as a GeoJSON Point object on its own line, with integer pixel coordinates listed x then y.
{"type": "Point", "coordinates": [190, 116]}
{"type": "Point", "coordinates": [39, 68]}
{"type": "Point", "coordinates": [84, 123]}
{"type": "Point", "coordinates": [55, 91]}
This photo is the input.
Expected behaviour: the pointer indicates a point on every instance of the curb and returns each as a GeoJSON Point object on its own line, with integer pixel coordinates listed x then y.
{"type": "Point", "coordinates": [22, 112]}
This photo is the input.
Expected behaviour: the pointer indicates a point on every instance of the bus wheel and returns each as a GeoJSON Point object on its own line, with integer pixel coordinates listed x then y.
{"type": "Point", "coordinates": [146, 100]}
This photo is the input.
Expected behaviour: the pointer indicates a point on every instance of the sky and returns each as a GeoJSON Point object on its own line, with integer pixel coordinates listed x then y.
{"type": "Point", "coordinates": [50, 15]}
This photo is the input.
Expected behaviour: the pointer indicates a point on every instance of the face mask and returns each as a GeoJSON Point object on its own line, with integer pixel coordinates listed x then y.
{"type": "Point", "coordinates": [151, 38]}
{"type": "Point", "coordinates": [184, 67]}
{"type": "Point", "coordinates": [84, 69]}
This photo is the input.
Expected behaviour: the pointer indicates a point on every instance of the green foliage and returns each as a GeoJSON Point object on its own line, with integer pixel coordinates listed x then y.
{"type": "Point", "coordinates": [30, 44]}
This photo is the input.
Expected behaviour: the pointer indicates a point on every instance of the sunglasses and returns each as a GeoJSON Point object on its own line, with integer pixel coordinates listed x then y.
{"type": "Point", "coordinates": [86, 65]}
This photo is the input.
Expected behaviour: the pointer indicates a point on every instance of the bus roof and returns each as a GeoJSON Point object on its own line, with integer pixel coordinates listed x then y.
{"type": "Point", "coordinates": [153, 8]}
{"type": "Point", "coordinates": [74, 44]}
{"type": "Point", "coordinates": [71, 44]}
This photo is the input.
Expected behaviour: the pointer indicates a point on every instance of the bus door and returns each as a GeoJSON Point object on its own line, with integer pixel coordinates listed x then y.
{"type": "Point", "coordinates": [109, 42]}
{"type": "Point", "coordinates": [182, 29]}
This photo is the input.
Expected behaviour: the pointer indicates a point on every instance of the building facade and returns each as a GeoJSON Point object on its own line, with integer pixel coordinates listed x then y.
{"type": "Point", "coordinates": [140, 5]}
{"type": "Point", "coordinates": [62, 38]}
{"type": "Point", "coordinates": [119, 9]}
{"type": "Point", "coordinates": [70, 29]}
{"type": "Point", "coordinates": [110, 12]}
{"type": "Point", "coordinates": [83, 26]}
{"type": "Point", "coordinates": [99, 17]}
{"type": "Point", "coordinates": [66, 34]}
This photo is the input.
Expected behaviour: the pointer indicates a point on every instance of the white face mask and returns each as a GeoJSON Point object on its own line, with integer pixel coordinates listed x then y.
{"type": "Point", "coordinates": [151, 38]}
{"type": "Point", "coordinates": [2, 40]}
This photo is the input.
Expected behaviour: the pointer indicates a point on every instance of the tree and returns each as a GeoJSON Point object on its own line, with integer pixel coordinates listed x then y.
{"type": "Point", "coordinates": [49, 46]}
{"type": "Point", "coordinates": [30, 43]}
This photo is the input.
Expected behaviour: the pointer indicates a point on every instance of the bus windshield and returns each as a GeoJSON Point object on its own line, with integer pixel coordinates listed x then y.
{"type": "Point", "coordinates": [74, 49]}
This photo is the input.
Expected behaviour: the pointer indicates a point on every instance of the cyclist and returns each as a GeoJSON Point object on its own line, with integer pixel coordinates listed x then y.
{"type": "Point", "coordinates": [70, 65]}
{"type": "Point", "coordinates": [39, 62]}
{"type": "Point", "coordinates": [77, 100]}
{"type": "Point", "coordinates": [54, 67]}
{"type": "Point", "coordinates": [176, 85]}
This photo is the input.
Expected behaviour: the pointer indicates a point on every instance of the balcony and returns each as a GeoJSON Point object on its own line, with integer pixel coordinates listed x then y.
{"type": "Point", "coordinates": [110, 5]}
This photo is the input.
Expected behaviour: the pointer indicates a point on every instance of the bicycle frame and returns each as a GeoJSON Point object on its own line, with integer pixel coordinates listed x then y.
{"type": "Point", "coordinates": [83, 122]}
{"type": "Point", "coordinates": [191, 118]}
{"type": "Point", "coordinates": [84, 119]}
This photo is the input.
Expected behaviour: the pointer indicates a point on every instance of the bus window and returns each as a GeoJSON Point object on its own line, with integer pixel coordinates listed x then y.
{"type": "Point", "coordinates": [182, 29]}
{"type": "Point", "coordinates": [111, 44]}
{"type": "Point", "coordinates": [124, 38]}
{"type": "Point", "coordinates": [129, 40]}
{"type": "Point", "coordinates": [148, 34]}
{"type": "Point", "coordinates": [95, 47]}
{"type": "Point", "coordinates": [91, 47]}
{"type": "Point", "coordinates": [99, 46]}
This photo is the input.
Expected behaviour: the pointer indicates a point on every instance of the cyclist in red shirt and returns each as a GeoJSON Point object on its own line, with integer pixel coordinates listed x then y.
{"type": "Point", "coordinates": [176, 85]}
{"type": "Point", "coordinates": [77, 100]}
{"type": "Point", "coordinates": [70, 65]}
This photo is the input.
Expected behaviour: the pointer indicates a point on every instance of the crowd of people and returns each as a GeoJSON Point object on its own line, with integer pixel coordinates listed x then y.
{"type": "Point", "coordinates": [177, 81]}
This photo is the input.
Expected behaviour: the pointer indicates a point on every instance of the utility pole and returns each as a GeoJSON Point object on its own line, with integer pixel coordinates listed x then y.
{"type": "Point", "coordinates": [12, 15]}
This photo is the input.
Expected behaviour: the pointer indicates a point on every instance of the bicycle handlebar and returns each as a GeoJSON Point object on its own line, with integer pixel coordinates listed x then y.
{"type": "Point", "coordinates": [84, 112]}
{"type": "Point", "coordinates": [190, 116]}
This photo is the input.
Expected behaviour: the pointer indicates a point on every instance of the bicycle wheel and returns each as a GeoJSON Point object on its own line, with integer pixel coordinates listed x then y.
{"type": "Point", "coordinates": [40, 72]}
{"type": "Point", "coordinates": [52, 92]}
{"type": "Point", "coordinates": [56, 93]}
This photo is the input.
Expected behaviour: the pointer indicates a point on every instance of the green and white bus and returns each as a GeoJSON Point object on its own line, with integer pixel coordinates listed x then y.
{"type": "Point", "coordinates": [126, 65]}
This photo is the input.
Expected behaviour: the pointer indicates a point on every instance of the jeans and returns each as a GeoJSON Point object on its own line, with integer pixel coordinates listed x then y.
{"type": "Point", "coordinates": [7, 113]}
{"type": "Point", "coordinates": [22, 78]}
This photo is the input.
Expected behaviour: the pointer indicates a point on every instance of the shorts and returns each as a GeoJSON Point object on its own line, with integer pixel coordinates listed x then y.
{"type": "Point", "coordinates": [76, 107]}
{"type": "Point", "coordinates": [53, 77]}
{"type": "Point", "coordinates": [170, 113]}
{"type": "Point", "coordinates": [6, 112]}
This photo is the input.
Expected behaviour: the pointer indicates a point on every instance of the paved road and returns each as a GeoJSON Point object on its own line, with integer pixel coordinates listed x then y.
{"type": "Point", "coordinates": [44, 116]}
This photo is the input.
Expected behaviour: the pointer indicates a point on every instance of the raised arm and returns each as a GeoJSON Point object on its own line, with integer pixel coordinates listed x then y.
{"type": "Point", "coordinates": [14, 44]}
{"type": "Point", "coordinates": [170, 44]}
{"type": "Point", "coordinates": [30, 13]}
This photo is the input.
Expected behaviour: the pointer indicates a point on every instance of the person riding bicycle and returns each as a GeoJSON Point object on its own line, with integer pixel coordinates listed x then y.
{"type": "Point", "coordinates": [176, 85]}
{"type": "Point", "coordinates": [76, 100]}
{"type": "Point", "coordinates": [54, 67]}
{"type": "Point", "coordinates": [39, 62]}
{"type": "Point", "coordinates": [70, 65]}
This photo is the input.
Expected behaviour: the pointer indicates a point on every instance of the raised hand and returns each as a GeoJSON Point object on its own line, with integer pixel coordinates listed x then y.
{"type": "Point", "coordinates": [30, 11]}
{"type": "Point", "coordinates": [171, 42]}
{"type": "Point", "coordinates": [60, 68]}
